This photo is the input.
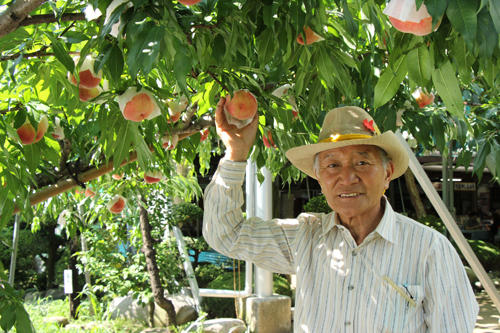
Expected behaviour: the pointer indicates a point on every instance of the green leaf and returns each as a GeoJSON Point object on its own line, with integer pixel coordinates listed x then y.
{"type": "Point", "coordinates": [115, 63]}
{"type": "Point", "coordinates": [493, 161]}
{"type": "Point", "coordinates": [23, 322]}
{"type": "Point", "coordinates": [446, 84]}
{"type": "Point", "coordinates": [438, 130]}
{"type": "Point", "coordinates": [487, 37]}
{"type": "Point", "coordinates": [389, 82]}
{"type": "Point", "coordinates": [463, 60]}
{"type": "Point", "coordinates": [480, 159]}
{"type": "Point", "coordinates": [462, 15]}
{"type": "Point", "coordinates": [122, 145]}
{"type": "Point", "coordinates": [266, 46]}
{"type": "Point", "coordinates": [495, 13]}
{"type": "Point", "coordinates": [419, 65]}
{"type": "Point", "coordinates": [144, 155]}
{"type": "Point", "coordinates": [182, 66]}
{"type": "Point", "coordinates": [436, 9]}
{"type": "Point", "coordinates": [61, 53]}
{"type": "Point", "coordinates": [145, 50]}
{"type": "Point", "coordinates": [7, 316]}
{"type": "Point", "coordinates": [351, 25]}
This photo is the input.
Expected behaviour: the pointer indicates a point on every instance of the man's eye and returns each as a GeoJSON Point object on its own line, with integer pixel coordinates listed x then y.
{"type": "Point", "coordinates": [363, 163]}
{"type": "Point", "coordinates": [332, 165]}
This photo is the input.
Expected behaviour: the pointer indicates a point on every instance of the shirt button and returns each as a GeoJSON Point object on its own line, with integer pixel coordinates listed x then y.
{"type": "Point", "coordinates": [350, 287]}
{"type": "Point", "coordinates": [347, 323]}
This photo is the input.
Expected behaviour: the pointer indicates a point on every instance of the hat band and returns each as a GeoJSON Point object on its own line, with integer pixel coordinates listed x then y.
{"type": "Point", "coordinates": [343, 137]}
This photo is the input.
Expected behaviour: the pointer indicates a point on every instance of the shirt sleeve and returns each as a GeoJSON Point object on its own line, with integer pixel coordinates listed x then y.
{"type": "Point", "coordinates": [268, 244]}
{"type": "Point", "coordinates": [450, 304]}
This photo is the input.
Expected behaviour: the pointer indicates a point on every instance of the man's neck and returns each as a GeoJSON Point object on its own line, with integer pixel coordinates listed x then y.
{"type": "Point", "coordinates": [360, 227]}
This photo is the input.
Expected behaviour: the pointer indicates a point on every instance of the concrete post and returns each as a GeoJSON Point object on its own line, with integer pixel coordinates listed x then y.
{"type": "Point", "coordinates": [266, 313]}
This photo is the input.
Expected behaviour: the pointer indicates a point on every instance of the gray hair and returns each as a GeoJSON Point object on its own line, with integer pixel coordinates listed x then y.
{"type": "Point", "coordinates": [382, 153]}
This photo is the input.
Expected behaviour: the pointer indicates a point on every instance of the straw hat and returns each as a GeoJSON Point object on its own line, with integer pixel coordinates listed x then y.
{"type": "Point", "coordinates": [346, 126]}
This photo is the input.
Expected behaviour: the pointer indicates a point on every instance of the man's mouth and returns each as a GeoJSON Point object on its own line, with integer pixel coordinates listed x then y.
{"type": "Point", "coordinates": [349, 195]}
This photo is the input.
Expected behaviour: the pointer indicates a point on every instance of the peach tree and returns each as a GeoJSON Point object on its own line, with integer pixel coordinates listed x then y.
{"type": "Point", "coordinates": [95, 87]}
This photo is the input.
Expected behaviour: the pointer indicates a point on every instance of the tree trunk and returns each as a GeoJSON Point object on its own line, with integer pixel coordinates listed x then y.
{"type": "Point", "coordinates": [74, 300]}
{"type": "Point", "coordinates": [50, 263]}
{"type": "Point", "coordinates": [415, 198]}
{"type": "Point", "coordinates": [152, 266]}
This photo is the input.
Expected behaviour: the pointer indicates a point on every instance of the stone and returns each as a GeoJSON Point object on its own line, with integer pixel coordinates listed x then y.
{"type": "Point", "coordinates": [155, 330]}
{"type": "Point", "coordinates": [127, 307]}
{"type": "Point", "coordinates": [221, 325]}
{"type": "Point", "coordinates": [58, 320]}
{"type": "Point", "coordinates": [270, 314]}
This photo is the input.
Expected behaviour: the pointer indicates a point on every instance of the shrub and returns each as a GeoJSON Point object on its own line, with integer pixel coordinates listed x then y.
{"type": "Point", "coordinates": [317, 204]}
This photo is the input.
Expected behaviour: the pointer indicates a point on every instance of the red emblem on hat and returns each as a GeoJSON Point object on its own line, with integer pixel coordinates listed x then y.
{"type": "Point", "coordinates": [369, 125]}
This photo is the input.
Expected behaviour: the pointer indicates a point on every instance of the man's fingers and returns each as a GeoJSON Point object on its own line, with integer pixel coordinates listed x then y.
{"type": "Point", "coordinates": [220, 119]}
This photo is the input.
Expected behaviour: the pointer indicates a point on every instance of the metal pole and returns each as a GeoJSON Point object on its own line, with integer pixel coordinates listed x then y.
{"type": "Point", "coordinates": [13, 258]}
{"type": "Point", "coordinates": [264, 210]}
{"type": "Point", "coordinates": [450, 224]}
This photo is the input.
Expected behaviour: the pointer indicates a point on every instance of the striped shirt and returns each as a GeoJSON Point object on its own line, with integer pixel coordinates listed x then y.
{"type": "Point", "coordinates": [404, 276]}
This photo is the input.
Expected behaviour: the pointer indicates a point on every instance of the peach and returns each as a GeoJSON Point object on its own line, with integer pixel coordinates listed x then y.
{"type": "Point", "coordinates": [311, 37]}
{"type": "Point", "coordinates": [241, 108]}
{"type": "Point", "coordinates": [26, 133]}
{"type": "Point", "coordinates": [86, 94]}
{"type": "Point", "coordinates": [281, 91]}
{"type": "Point", "coordinates": [88, 78]}
{"type": "Point", "coordinates": [169, 141]}
{"type": "Point", "coordinates": [58, 132]}
{"type": "Point", "coordinates": [175, 108]}
{"type": "Point", "coordinates": [137, 105]}
{"type": "Point", "coordinates": [42, 128]}
{"type": "Point", "coordinates": [189, 2]}
{"type": "Point", "coordinates": [111, 8]}
{"type": "Point", "coordinates": [422, 97]}
{"type": "Point", "coordinates": [117, 176]}
{"type": "Point", "coordinates": [116, 204]}
{"type": "Point", "coordinates": [268, 140]}
{"type": "Point", "coordinates": [204, 134]}
{"type": "Point", "coordinates": [151, 177]}
{"type": "Point", "coordinates": [89, 193]}
{"type": "Point", "coordinates": [405, 17]}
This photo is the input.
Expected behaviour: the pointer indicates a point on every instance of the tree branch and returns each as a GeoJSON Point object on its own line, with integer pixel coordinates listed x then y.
{"type": "Point", "coordinates": [15, 14]}
{"type": "Point", "coordinates": [49, 18]}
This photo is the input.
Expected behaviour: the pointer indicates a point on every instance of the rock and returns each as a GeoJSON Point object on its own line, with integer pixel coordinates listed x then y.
{"type": "Point", "coordinates": [129, 308]}
{"type": "Point", "coordinates": [55, 294]}
{"type": "Point", "coordinates": [59, 320]}
{"type": "Point", "coordinates": [156, 330]}
{"type": "Point", "coordinates": [222, 325]}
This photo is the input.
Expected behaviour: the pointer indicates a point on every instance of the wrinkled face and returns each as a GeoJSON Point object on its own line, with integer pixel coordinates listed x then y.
{"type": "Point", "coordinates": [353, 180]}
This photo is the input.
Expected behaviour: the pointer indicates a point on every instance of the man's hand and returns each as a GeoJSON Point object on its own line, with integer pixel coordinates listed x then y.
{"type": "Point", "coordinates": [238, 141]}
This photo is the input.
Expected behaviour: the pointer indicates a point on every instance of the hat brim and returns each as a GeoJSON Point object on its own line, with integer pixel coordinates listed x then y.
{"type": "Point", "coordinates": [302, 157]}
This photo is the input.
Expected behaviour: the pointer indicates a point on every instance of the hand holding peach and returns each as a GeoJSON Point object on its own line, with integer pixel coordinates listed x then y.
{"type": "Point", "coordinates": [238, 141]}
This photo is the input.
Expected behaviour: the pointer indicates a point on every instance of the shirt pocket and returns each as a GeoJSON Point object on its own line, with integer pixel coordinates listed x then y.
{"type": "Point", "coordinates": [403, 309]}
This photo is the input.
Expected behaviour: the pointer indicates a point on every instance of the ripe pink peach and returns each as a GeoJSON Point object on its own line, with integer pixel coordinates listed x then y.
{"type": "Point", "coordinates": [86, 94]}
{"type": "Point", "coordinates": [137, 105]}
{"type": "Point", "coordinates": [87, 77]}
{"type": "Point", "coordinates": [422, 97]}
{"type": "Point", "coordinates": [268, 140]}
{"type": "Point", "coordinates": [405, 17]}
{"type": "Point", "coordinates": [189, 2]}
{"type": "Point", "coordinates": [116, 204]}
{"type": "Point", "coordinates": [117, 176]}
{"type": "Point", "coordinates": [311, 37]}
{"type": "Point", "coordinates": [151, 177]}
{"type": "Point", "coordinates": [89, 193]}
{"type": "Point", "coordinates": [26, 133]}
{"type": "Point", "coordinates": [169, 141]}
{"type": "Point", "coordinates": [204, 134]}
{"type": "Point", "coordinates": [241, 108]}
{"type": "Point", "coordinates": [58, 132]}
{"type": "Point", "coordinates": [176, 107]}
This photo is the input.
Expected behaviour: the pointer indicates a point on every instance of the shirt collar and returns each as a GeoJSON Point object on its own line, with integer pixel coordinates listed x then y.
{"type": "Point", "coordinates": [386, 227]}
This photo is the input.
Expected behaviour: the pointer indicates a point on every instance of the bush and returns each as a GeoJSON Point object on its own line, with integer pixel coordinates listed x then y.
{"type": "Point", "coordinates": [487, 253]}
{"type": "Point", "coordinates": [220, 307]}
{"type": "Point", "coordinates": [433, 222]}
{"type": "Point", "coordinates": [317, 204]}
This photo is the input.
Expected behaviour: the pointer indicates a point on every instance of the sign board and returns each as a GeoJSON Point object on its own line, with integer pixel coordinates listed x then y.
{"type": "Point", "coordinates": [68, 281]}
{"type": "Point", "coordinates": [457, 186]}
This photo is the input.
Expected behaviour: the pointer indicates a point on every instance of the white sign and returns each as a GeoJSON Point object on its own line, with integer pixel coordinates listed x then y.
{"type": "Point", "coordinates": [68, 281]}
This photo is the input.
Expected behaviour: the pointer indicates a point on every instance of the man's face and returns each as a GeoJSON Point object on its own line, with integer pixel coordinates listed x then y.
{"type": "Point", "coordinates": [353, 180]}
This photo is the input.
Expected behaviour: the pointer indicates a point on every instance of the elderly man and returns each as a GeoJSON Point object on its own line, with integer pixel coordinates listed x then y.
{"type": "Point", "coordinates": [363, 267]}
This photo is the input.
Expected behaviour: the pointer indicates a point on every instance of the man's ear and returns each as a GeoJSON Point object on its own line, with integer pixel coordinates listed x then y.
{"type": "Point", "coordinates": [389, 171]}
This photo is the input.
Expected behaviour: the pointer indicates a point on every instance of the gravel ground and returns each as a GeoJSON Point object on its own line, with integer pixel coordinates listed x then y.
{"type": "Point", "coordinates": [488, 318]}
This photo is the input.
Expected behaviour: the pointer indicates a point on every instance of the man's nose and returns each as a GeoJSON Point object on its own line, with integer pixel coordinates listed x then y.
{"type": "Point", "coordinates": [348, 175]}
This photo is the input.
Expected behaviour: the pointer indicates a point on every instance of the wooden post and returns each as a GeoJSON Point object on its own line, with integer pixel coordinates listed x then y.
{"type": "Point", "coordinates": [451, 225]}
